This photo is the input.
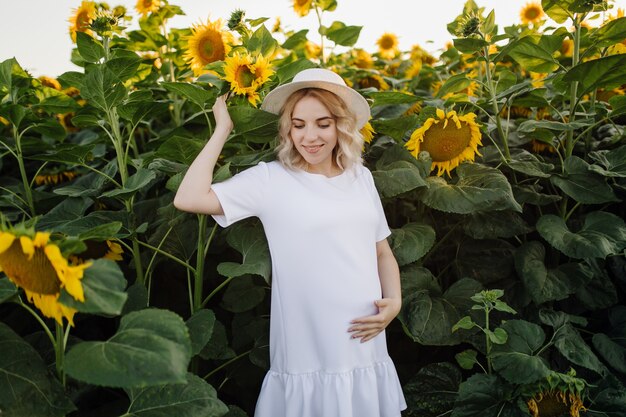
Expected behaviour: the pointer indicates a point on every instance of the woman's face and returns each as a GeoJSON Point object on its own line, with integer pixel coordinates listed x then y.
{"type": "Point", "coordinates": [314, 133]}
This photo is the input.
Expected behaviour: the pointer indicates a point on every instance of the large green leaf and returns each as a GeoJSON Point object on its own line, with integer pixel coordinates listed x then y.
{"type": "Point", "coordinates": [262, 42]}
{"type": "Point", "coordinates": [250, 241]}
{"type": "Point", "coordinates": [68, 153]}
{"type": "Point", "coordinates": [517, 360]}
{"type": "Point", "coordinates": [532, 55]}
{"type": "Point", "coordinates": [193, 398]}
{"type": "Point", "coordinates": [134, 184]}
{"type": "Point", "coordinates": [432, 391]}
{"type": "Point", "coordinates": [571, 345]}
{"type": "Point", "coordinates": [469, 45]}
{"type": "Point", "coordinates": [386, 98]}
{"type": "Point", "coordinates": [343, 35]}
{"type": "Point", "coordinates": [411, 242]}
{"type": "Point", "coordinates": [598, 73]}
{"type": "Point", "coordinates": [479, 188]}
{"type": "Point", "coordinates": [218, 346]}
{"type": "Point", "coordinates": [485, 260]}
{"type": "Point", "coordinates": [180, 149]}
{"type": "Point", "coordinates": [582, 184]}
{"type": "Point", "coordinates": [609, 163]}
{"type": "Point", "coordinates": [151, 347]}
{"type": "Point", "coordinates": [397, 178]}
{"type": "Point", "coordinates": [200, 326]}
{"type": "Point", "coordinates": [396, 127]}
{"type": "Point", "coordinates": [558, 10]}
{"type": "Point", "coordinates": [483, 395]}
{"type": "Point", "coordinates": [427, 314]}
{"type": "Point", "coordinates": [196, 94]}
{"type": "Point", "coordinates": [7, 290]}
{"type": "Point", "coordinates": [611, 351]}
{"type": "Point", "coordinates": [296, 40]}
{"type": "Point", "coordinates": [103, 285]}
{"type": "Point", "coordinates": [527, 163]}
{"type": "Point", "coordinates": [28, 389]}
{"type": "Point", "coordinates": [602, 234]}
{"type": "Point", "coordinates": [124, 68]}
{"type": "Point", "coordinates": [600, 292]}
{"type": "Point", "coordinates": [89, 48]}
{"type": "Point", "coordinates": [56, 102]}
{"type": "Point", "coordinates": [251, 121]}
{"type": "Point", "coordinates": [530, 194]}
{"type": "Point", "coordinates": [610, 33]}
{"type": "Point", "coordinates": [103, 89]}
{"type": "Point", "coordinates": [453, 84]}
{"type": "Point", "coordinates": [545, 284]}
{"type": "Point", "coordinates": [242, 295]}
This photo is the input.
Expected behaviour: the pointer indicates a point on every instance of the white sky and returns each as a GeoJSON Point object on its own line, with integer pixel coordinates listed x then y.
{"type": "Point", "coordinates": [35, 32]}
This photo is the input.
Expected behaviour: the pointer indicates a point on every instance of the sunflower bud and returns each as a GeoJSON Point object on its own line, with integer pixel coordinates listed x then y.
{"type": "Point", "coordinates": [469, 25]}
{"type": "Point", "coordinates": [105, 23]}
{"type": "Point", "coordinates": [236, 19]}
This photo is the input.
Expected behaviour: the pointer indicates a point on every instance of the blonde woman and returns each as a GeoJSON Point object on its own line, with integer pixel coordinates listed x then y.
{"type": "Point", "coordinates": [335, 281]}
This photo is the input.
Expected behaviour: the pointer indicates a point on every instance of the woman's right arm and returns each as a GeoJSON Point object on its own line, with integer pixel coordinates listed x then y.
{"type": "Point", "coordinates": [194, 193]}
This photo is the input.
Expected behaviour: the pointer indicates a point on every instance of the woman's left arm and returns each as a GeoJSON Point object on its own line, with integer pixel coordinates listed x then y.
{"type": "Point", "coordinates": [389, 306]}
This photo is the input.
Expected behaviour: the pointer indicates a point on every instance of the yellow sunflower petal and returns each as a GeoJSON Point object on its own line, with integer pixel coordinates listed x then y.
{"type": "Point", "coordinates": [28, 246]}
{"type": "Point", "coordinates": [6, 240]}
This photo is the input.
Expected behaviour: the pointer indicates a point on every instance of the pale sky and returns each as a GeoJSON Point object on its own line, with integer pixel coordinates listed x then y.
{"type": "Point", "coordinates": [35, 32]}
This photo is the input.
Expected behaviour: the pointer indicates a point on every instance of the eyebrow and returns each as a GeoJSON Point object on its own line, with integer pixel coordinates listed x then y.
{"type": "Point", "coordinates": [295, 119]}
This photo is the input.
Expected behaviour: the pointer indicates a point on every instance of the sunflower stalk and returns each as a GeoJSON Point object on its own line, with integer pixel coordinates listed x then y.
{"type": "Point", "coordinates": [200, 258]}
{"type": "Point", "coordinates": [59, 349]}
{"type": "Point", "coordinates": [494, 104]}
{"type": "Point", "coordinates": [318, 12]}
{"type": "Point", "coordinates": [20, 161]}
{"type": "Point", "coordinates": [569, 139]}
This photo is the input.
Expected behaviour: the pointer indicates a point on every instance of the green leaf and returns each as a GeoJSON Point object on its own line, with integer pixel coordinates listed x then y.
{"type": "Point", "coordinates": [103, 89]}
{"type": "Point", "coordinates": [558, 10]}
{"type": "Point", "coordinates": [427, 315]}
{"type": "Point", "coordinates": [411, 242]}
{"type": "Point", "coordinates": [103, 285]}
{"type": "Point", "coordinates": [193, 398]}
{"type": "Point", "coordinates": [486, 260]}
{"type": "Point", "coordinates": [124, 68]}
{"type": "Point", "coordinates": [134, 184]}
{"type": "Point", "coordinates": [180, 149]}
{"type": "Point", "coordinates": [251, 121]}
{"type": "Point", "coordinates": [327, 5]}
{"type": "Point", "coordinates": [262, 42]}
{"type": "Point", "coordinates": [469, 45]}
{"type": "Point", "coordinates": [604, 73]}
{"type": "Point", "coordinates": [599, 293]}
{"type": "Point", "coordinates": [517, 360]}
{"type": "Point", "coordinates": [343, 35]}
{"type": "Point", "coordinates": [571, 345]}
{"type": "Point", "coordinates": [135, 112]}
{"type": "Point", "coordinates": [613, 353]}
{"type": "Point", "coordinates": [498, 336]}
{"type": "Point", "coordinates": [386, 98]}
{"type": "Point", "coordinates": [504, 307]}
{"type": "Point", "coordinates": [151, 347]}
{"type": "Point", "coordinates": [197, 95]}
{"type": "Point", "coordinates": [7, 290]}
{"type": "Point", "coordinates": [28, 389]}
{"type": "Point", "coordinates": [532, 55]}
{"type": "Point", "coordinates": [527, 163]}
{"type": "Point", "coordinates": [545, 284]}
{"type": "Point", "coordinates": [609, 33]}
{"type": "Point", "coordinates": [57, 102]}
{"type": "Point", "coordinates": [89, 49]}
{"type": "Point", "coordinates": [530, 194]}
{"type": "Point", "coordinates": [479, 188]}
{"type": "Point", "coordinates": [297, 40]}
{"type": "Point", "coordinates": [432, 391]}
{"type": "Point", "coordinates": [286, 73]}
{"type": "Point", "coordinates": [453, 84]}
{"type": "Point", "coordinates": [218, 346]}
{"type": "Point", "coordinates": [397, 178]}
{"type": "Point", "coordinates": [242, 295]}
{"type": "Point", "coordinates": [609, 163]}
{"type": "Point", "coordinates": [483, 395]}
{"type": "Point", "coordinates": [467, 359]}
{"type": "Point", "coordinates": [465, 323]}
{"type": "Point", "coordinates": [602, 234]}
{"type": "Point", "coordinates": [396, 127]}
{"type": "Point", "coordinates": [250, 241]}
{"type": "Point", "coordinates": [200, 326]}
{"type": "Point", "coordinates": [557, 319]}
{"type": "Point", "coordinates": [582, 184]}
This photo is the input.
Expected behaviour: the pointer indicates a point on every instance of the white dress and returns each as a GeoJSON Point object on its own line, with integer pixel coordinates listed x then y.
{"type": "Point", "coordinates": [322, 235]}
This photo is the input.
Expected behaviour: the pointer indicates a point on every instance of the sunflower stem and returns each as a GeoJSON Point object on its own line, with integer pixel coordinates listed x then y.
{"type": "Point", "coordinates": [216, 290]}
{"type": "Point", "coordinates": [225, 364]}
{"type": "Point", "coordinates": [569, 139]}
{"type": "Point", "coordinates": [43, 324]}
{"type": "Point", "coordinates": [494, 104]}
{"type": "Point", "coordinates": [488, 341]}
{"type": "Point", "coordinates": [59, 348]}
{"type": "Point", "coordinates": [199, 275]}
{"type": "Point", "coordinates": [319, 21]}
{"type": "Point", "coordinates": [20, 163]}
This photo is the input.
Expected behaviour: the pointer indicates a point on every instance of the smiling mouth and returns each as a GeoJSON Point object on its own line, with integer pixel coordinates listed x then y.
{"type": "Point", "coordinates": [313, 149]}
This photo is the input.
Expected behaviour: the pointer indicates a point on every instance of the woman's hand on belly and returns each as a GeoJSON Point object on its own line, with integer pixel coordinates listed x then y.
{"type": "Point", "coordinates": [368, 327]}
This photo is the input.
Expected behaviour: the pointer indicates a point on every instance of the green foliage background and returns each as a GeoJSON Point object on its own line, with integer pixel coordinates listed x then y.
{"type": "Point", "coordinates": [513, 268]}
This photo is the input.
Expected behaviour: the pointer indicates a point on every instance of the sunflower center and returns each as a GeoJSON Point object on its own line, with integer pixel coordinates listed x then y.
{"type": "Point", "coordinates": [301, 2]}
{"type": "Point", "coordinates": [36, 275]}
{"type": "Point", "coordinates": [446, 144]}
{"type": "Point", "coordinates": [532, 13]}
{"type": "Point", "coordinates": [147, 4]}
{"type": "Point", "coordinates": [244, 76]}
{"type": "Point", "coordinates": [211, 47]}
{"type": "Point", "coordinates": [387, 42]}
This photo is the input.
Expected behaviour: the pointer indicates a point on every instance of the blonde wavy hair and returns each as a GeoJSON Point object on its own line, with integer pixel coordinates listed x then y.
{"type": "Point", "coordinates": [349, 139]}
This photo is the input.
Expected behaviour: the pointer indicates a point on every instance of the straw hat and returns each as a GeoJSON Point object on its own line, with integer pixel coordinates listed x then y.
{"type": "Point", "coordinates": [325, 80]}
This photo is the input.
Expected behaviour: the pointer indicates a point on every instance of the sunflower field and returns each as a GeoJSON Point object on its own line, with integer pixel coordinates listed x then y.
{"type": "Point", "coordinates": [501, 164]}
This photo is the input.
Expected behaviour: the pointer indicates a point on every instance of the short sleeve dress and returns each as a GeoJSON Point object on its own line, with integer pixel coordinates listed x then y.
{"type": "Point", "coordinates": [322, 235]}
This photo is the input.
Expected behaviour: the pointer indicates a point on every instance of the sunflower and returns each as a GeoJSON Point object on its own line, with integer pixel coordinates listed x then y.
{"type": "Point", "coordinates": [415, 108]}
{"type": "Point", "coordinates": [100, 250]}
{"type": "Point", "coordinates": [531, 13]}
{"type": "Point", "coordinates": [277, 28]}
{"type": "Point", "coordinates": [417, 52]}
{"type": "Point", "coordinates": [38, 267]}
{"type": "Point", "coordinates": [558, 395]}
{"type": "Point", "coordinates": [82, 18]}
{"type": "Point", "coordinates": [302, 7]}
{"type": "Point", "coordinates": [388, 45]}
{"type": "Point", "coordinates": [374, 81]}
{"type": "Point", "coordinates": [147, 6]}
{"type": "Point", "coordinates": [368, 132]}
{"type": "Point", "coordinates": [247, 76]}
{"type": "Point", "coordinates": [567, 47]}
{"type": "Point", "coordinates": [449, 139]}
{"type": "Point", "coordinates": [207, 43]}
{"type": "Point", "coordinates": [312, 50]}
{"type": "Point", "coordinates": [56, 177]}
{"type": "Point", "coordinates": [414, 69]}
{"type": "Point", "coordinates": [50, 82]}
{"type": "Point", "coordinates": [362, 59]}
{"type": "Point", "coordinates": [538, 146]}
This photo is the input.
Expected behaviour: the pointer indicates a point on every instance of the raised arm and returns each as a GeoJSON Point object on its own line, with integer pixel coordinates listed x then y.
{"type": "Point", "coordinates": [194, 193]}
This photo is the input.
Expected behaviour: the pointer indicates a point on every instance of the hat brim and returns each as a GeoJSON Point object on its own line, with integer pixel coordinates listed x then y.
{"type": "Point", "coordinates": [276, 98]}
